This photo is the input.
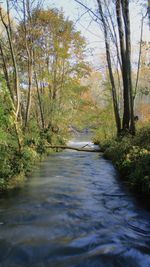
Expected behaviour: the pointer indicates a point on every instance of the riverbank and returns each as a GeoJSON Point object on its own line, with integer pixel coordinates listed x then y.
{"type": "Point", "coordinates": [131, 156]}
{"type": "Point", "coordinates": [15, 165]}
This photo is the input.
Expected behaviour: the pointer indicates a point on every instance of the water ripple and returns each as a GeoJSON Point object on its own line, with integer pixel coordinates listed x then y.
{"type": "Point", "coordinates": [73, 212]}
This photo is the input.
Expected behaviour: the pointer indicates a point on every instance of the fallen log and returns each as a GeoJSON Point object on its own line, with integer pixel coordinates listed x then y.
{"type": "Point", "coordinates": [73, 148]}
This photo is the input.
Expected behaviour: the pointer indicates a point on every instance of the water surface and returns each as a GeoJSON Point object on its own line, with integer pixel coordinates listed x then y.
{"type": "Point", "coordinates": [73, 212]}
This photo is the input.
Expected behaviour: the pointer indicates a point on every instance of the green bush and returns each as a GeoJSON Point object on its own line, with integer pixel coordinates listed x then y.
{"type": "Point", "coordinates": [117, 149]}
{"type": "Point", "coordinates": [142, 137]}
{"type": "Point", "coordinates": [131, 156]}
{"type": "Point", "coordinates": [136, 166]}
{"type": "Point", "coordinates": [29, 157]}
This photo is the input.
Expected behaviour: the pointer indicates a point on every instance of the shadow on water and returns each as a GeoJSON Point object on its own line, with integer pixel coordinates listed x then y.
{"type": "Point", "coordinates": [73, 212]}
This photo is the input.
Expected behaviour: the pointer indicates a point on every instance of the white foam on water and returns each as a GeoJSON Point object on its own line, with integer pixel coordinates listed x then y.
{"type": "Point", "coordinates": [81, 144]}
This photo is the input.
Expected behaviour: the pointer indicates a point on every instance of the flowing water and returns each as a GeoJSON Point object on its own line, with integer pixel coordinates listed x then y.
{"type": "Point", "coordinates": [73, 212]}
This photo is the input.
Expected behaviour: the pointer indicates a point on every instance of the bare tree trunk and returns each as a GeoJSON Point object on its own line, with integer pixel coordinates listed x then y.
{"type": "Point", "coordinates": [6, 74]}
{"type": "Point", "coordinates": [39, 100]}
{"type": "Point", "coordinates": [55, 78]}
{"type": "Point", "coordinates": [29, 50]}
{"type": "Point", "coordinates": [114, 94]}
{"type": "Point", "coordinates": [126, 112]}
{"type": "Point", "coordinates": [62, 81]}
{"type": "Point", "coordinates": [113, 34]}
{"type": "Point", "coordinates": [139, 59]}
{"type": "Point", "coordinates": [30, 78]}
{"type": "Point", "coordinates": [126, 17]}
{"type": "Point", "coordinates": [15, 100]}
{"type": "Point", "coordinates": [16, 77]}
{"type": "Point", "coordinates": [148, 10]}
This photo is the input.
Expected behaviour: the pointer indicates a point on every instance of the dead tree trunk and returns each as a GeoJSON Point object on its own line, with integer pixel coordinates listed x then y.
{"type": "Point", "coordinates": [74, 148]}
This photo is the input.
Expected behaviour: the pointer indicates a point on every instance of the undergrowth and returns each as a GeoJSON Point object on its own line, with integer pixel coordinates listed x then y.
{"type": "Point", "coordinates": [131, 156]}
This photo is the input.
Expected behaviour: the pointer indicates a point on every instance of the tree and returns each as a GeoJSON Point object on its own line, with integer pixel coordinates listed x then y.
{"type": "Point", "coordinates": [122, 13]}
{"type": "Point", "coordinates": [51, 60]}
{"type": "Point", "coordinates": [42, 63]}
{"type": "Point", "coordinates": [15, 84]}
{"type": "Point", "coordinates": [109, 14]}
{"type": "Point", "coordinates": [10, 69]}
{"type": "Point", "coordinates": [108, 56]}
{"type": "Point", "coordinates": [148, 9]}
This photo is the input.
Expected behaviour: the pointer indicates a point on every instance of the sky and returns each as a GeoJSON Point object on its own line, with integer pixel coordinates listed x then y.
{"type": "Point", "coordinates": [91, 30]}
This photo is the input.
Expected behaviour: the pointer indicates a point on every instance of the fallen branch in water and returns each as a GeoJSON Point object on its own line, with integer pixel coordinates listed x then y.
{"type": "Point", "coordinates": [73, 148]}
{"type": "Point", "coordinates": [85, 146]}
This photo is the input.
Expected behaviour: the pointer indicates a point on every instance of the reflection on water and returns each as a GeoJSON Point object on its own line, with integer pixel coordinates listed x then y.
{"type": "Point", "coordinates": [73, 212]}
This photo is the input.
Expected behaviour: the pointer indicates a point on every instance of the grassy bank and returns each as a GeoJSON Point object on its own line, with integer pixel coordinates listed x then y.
{"type": "Point", "coordinates": [16, 165]}
{"type": "Point", "coordinates": [131, 156]}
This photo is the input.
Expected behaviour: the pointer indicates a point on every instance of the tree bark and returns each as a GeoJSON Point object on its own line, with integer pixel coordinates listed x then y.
{"type": "Point", "coordinates": [6, 74]}
{"type": "Point", "coordinates": [139, 59]}
{"type": "Point", "coordinates": [73, 148]}
{"type": "Point", "coordinates": [126, 17]}
{"type": "Point", "coordinates": [148, 10]}
{"type": "Point", "coordinates": [113, 87]}
{"type": "Point", "coordinates": [29, 50]}
{"type": "Point", "coordinates": [16, 77]}
{"type": "Point", "coordinates": [40, 102]}
{"type": "Point", "coordinates": [126, 111]}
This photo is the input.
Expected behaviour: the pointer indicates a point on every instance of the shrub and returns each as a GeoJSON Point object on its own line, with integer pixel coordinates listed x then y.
{"type": "Point", "coordinates": [29, 157]}
{"type": "Point", "coordinates": [131, 155]}
{"type": "Point", "coordinates": [117, 150]}
{"type": "Point", "coordinates": [142, 137]}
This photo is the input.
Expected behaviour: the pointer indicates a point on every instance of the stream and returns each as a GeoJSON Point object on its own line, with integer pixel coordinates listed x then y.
{"type": "Point", "coordinates": [73, 212]}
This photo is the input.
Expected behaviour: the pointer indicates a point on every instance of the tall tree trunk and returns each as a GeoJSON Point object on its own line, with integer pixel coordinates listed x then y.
{"type": "Point", "coordinates": [126, 17]}
{"type": "Point", "coordinates": [113, 33]}
{"type": "Point", "coordinates": [40, 102]}
{"type": "Point", "coordinates": [5, 70]}
{"type": "Point", "coordinates": [29, 50]}
{"type": "Point", "coordinates": [54, 95]}
{"type": "Point", "coordinates": [113, 87]}
{"type": "Point", "coordinates": [126, 111]}
{"type": "Point", "coordinates": [139, 61]}
{"type": "Point", "coordinates": [15, 99]}
{"type": "Point", "coordinates": [148, 10]}
{"type": "Point", "coordinates": [30, 79]}
{"type": "Point", "coordinates": [14, 62]}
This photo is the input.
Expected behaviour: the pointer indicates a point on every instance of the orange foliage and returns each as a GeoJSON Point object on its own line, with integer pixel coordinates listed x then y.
{"type": "Point", "coordinates": [87, 96]}
{"type": "Point", "coordinates": [144, 112]}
